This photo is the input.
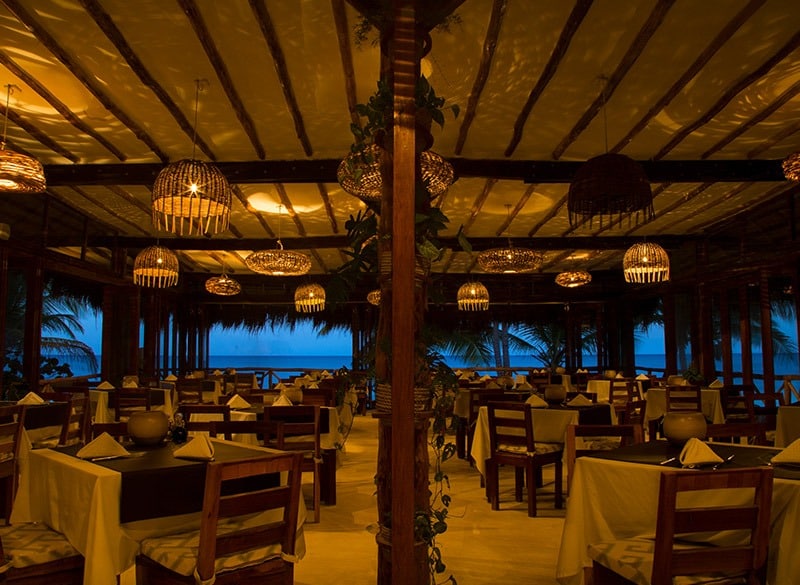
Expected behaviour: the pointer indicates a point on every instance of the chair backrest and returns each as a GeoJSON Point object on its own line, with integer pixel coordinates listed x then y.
{"type": "Point", "coordinates": [765, 406]}
{"type": "Point", "coordinates": [588, 395]}
{"type": "Point", "coordinates": [278, 533]}
{"type": "Point", "coordinates": [118, 430]}
{"type": "Point", "coordinates": [510, 428]}
{"type": "Point", "coordinates": [125, 401]}
{"type": "Point", "coordinates": [619, 394]}
{"type": "Point", "coordinates": [263, 431]}
{"type": "Point", "coordinates": [598, 437]}
{"type": "Point", "coordinates": [739, 408]}
{"type": "Point", "coordinates": [297, 428]}
{"type": "Point", "coordinates": [635, 413]}
{"type": "Point", "coordinates": [749, 511]}
{"type": "Point", "coordinates": [754, 433]}
{"type": "Point", "coordinates": [480, 397]}
{"type": "Point", "coordinates": [189, 390]}
{"type": "Point", "coordinates": [684, 398]}
{"type": "Point", "coordinates": [77, 417]}
{"type": "Point", "coordinates": [192, 413]}
{"type": "Point", "coordinates": [325, 395]}
{"type": "Point", "coordinates": [12, 418]}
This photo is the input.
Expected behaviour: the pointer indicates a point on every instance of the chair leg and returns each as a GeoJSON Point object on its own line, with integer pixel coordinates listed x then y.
{"type": "Point", "coordinates": [492, 485]}
{"type": "Point", "coordinates": [602, 575]}
{"type": "Point", "coordinates": [530, 473]}
{"type": "Point", "coordinates": [316, 492]}
{"type": "Point", "coordinates": [518, 483]}
{"type": "Point", "coordinates": [461, 438]}
{"type": "Point", "coordinates": [559, 485]}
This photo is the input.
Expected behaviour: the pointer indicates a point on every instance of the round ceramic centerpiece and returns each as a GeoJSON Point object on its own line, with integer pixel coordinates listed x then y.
{"type": "Point", "coordinates": [148, 427]}
{"type": "Point", "coordinates": [555, 393]}
{"type": "Point", "coordinates": [679, 427]}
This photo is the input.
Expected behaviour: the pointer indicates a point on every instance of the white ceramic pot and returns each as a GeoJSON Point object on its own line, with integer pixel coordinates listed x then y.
{"type": "Point", "coordinates": [679, 427]}
{"type": "Point", "coordinates": [555, 393]}
{"type": "Point", "coordinates": [148, 427]}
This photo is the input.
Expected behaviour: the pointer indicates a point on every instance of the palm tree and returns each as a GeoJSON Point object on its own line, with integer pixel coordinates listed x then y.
{"type": "Point", "coordinates": [60, 324]}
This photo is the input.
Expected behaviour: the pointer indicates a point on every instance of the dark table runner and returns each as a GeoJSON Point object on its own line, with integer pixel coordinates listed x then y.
{"type": "Point", "coordinates": [654, 452]}
{"type": "Point", "coordinates": [155, 483]}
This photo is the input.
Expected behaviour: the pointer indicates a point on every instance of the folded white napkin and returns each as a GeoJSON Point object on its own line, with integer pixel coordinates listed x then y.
{"type": "Point", "coordinates": [465, 376]}
{"type": "Point", "coordinates": [485, 377]}
{"type": "Point", "coordinates": [696, 453]}
{"type": "Point", "coordinates": [457, 372]}
{"type": "Point", "coordinates": [31, 398]}
{"type": "Point", "coordinates": [619, 375]}
{"type": "Point", "coordinates": [281, 400]}
{"type": "Point", "coordinates": [790, 454]}
{"type": "Point", "coordinates": [524, 386]}
{"type": "Point", "coordinates": [580, 400]}
{"type": "Point", "coordinates": [492, 385]}
{"type": "Point", "coordinates": [325, 373]}
{"type": "Point", "coordinates": [716, 383]}
{"type": "Point", "coordinates": [313, 386]}
{"type": "Point", "coordinates": [105, 385]}
{"type": "Point", "coordinates": [217, 372]}
{"type": "Point", "coordinates": [171, 378]}
{"type": "Point", "coordinates": [238, 402]}
{"type": "Point", "coordinates": [103, 446]}
{"type": "Point", "coordinates": [536, 402]}
{"type": "Point", "coordinates": [130, 384]}
{"type": "Point", "coordinates": [582, 371]}
{"type": "Point", "coordinates": [232, 371]}
{"type": "Point", "coordinates": [200, 447]}
{"type": "Point", "coordinates": [642, 377]}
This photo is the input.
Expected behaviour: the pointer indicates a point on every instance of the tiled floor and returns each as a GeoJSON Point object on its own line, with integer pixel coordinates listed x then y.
{"type": "Point", "coordinates": [479, 547]}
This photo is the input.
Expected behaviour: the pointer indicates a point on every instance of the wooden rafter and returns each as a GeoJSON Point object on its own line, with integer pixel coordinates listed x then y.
{"type": "Point", "coordinates": [343, 39]}
{"type": "Point", "coordinates": [237, 191]}
{"type": "Point", "coordinates": [326, 201]}
{"type": "Point", "coordinates": [478, 204]}
{"type": "Point", "coordinates": [98, 203]}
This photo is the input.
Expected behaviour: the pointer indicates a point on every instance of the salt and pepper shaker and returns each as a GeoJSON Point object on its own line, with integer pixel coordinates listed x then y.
{"type": "Point", "coordinates": [179, 433]}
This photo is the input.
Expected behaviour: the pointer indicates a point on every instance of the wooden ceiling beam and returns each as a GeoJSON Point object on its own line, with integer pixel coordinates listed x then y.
{"type": "Point", "coordinates": [324, 171]}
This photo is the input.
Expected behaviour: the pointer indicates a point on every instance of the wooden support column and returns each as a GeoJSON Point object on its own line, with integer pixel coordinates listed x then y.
{"type": "Point", "coordinates": [727, 338]}
{"type": "Point", "coordinates": [744, 335]}
{"type": "Point", "coordinates": [767, 351]}
{"type": "Point", "coordinates": [670, 334]}
{"type": "Point", "coordinates": [705, 335]}
{"type": "Point", "coordinates": [120, 344]}
{"type": "Point", "coordinates": [151, 312]}
{"type": "Point", "coordinates": [3, 305]}
{"type": "Point", "coordinates": [32, 348]}
{"type": "Point", "coordinates": [626, 339]}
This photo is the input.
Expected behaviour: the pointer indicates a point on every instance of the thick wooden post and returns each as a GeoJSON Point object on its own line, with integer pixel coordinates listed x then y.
{"type": "Point", "coordinates": [745, 334]}
{"type": "Point", "coordinates": [31, 355]}
{"type": "Point", "coordinates": [727, 339]}
{"type": "Point", "coordinates": [767, 351]}
{"type": "Point", "coordinates": [670, 334]}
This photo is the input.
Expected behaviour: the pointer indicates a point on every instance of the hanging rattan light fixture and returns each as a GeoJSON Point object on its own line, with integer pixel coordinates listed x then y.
{"type": "Point", "coordinates": [374, 297]}
{"type": "Point", "coordinates": [360, 173]}
{"type": "Point", "coordinates": [309, 298]}
{"type": "Point", "coordinates": [223, 285]}
{"type": "Point", "coordinates": [510, 260]}
{"type": "Point", "coordinates": [191, 197]}
{"type": "Point", "coordinates": [18, 173]}
{"type": "Point", "coordinates": [156, 267]}
{"type": "Point", "coordinates": [473, 296]}
{"type": "Point", "coordinates": [573, 278]}
{"type": "Point", "coordinates": [279, 262]}
{"type": "Point", "coordinates": [791, 167]}
{"type": "Point", "coordinates": [646, 262]}
{"type": "Point", "coordinates": [610, 185]}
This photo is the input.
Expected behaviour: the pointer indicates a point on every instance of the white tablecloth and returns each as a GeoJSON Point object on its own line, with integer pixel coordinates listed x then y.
{"type": "Point", "coordinates": [593, 516]}
{"type": "Point", "coordinates": [788, 425]}
{"type": "Point", "coordinates": [600, 387]}
{"type": "Point", "coordinates": [550, 426]}
{"type": "Point", "coordinates": [711, 404]}
{"type": "Point", "coordinates": [103, 414]}
{"type": "Point", "coordinates": [82, 500]}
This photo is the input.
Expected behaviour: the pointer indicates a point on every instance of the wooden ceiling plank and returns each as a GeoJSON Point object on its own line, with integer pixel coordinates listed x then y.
{"type": "Point", "coordinates": [124, 194]}
{"type": "Point", "coordinates": [479, 201]}
{"type": "Point", "coordinates": [33, 131]}
{"type": "Point", "coordinates": [516, 209]}
{"type": "Point", "coordinates": [711, 204]}
{"type": "Point", "coordinates": [676, 205]}
{"type": "Point", "coordinates": [59, 106]}
{"type": "Point", "coordinates": [787, 49]}
{"type": "Point", "coordinates": [99, 203]}
{"type": "Point", "coordinates": [319, 260]}
{"type": "Point", "coordinates": [565, 38]}
{"type": "Point", "coordinates": [776, 138]}
{"type": "Point", "coordinates": [702, 60]}
{"type": "Point", "coordinates": [85, 212]}
{"type": "Point", "coordinates": [718, 223]}
{"type": "Point", "coordinates": [649, 28]}
{"type": "Point", "coordinates": [237, 191]}
{"type": "Point", "coordinates": [184, 258]}
{"type": "Point", "coordinates": [88, 80]}
{"type": "Point", "coordinates": [554, 211]}
{"type": "Point", "coordinates": [343, 39]}
{"type": "Point", "coordinates": [489, 47]}
{"type": "Point", "coordinates": [287, 204]}
{"type": "Point", "coordinates": [326, 201]}
{"type": "Point", "coordinates": [271, 38]}
{"type": "Point", "coordinates": [192, 13]}
{"type": "Point", "coordinates": [106, 24]}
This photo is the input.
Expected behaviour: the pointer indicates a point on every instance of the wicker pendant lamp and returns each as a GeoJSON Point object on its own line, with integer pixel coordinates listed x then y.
{"type": "Point", "coordinates": [374, 297]}
{"type": "Point", "coordinates": [573, 278]}
{"type": "Point", "coordinates": [473, 296]}
{"type": "Point", "coordinates": [279, 262]}
{"type": "Point", "coordinates": [18, 173]}
{"type": "Point", "coordinates": [191, 197]}
{"type": "Point", "coordinates": [223, 285]}
{"type": "Point", "coordinates": [309, 298]}
{"type": "Point", "coordinates": [791, 167]}
{"type": "Point", "coordinates": [608, 186]}
{"type": "Point", "coordinates": [156, 267]}
{"type": "Point", "coordinates": [510, 260]}
{"type": "Point", "coordinates": [646, 262]}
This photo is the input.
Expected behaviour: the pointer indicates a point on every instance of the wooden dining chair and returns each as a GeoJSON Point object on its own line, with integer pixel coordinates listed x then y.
{"type": "Point", "coordinates": [657, 561]}
{"type": "Point", "coordinates": [126, 401]}
{"type": "Point", "coordinates": [739, 408]}
{"type": "Point", "coordinates": [77, 418]}
{"type": "Point", "coordinates": [192, 413]}
{"type": "Point", "coordinates": [226, 550]}
{"type": "Point", "coordinates": [189, 390]}
{"type": "Point", "coordinates": [264, 432]}
{"type": "Point", "coordinates": [683, 398]}
{"type": "Point", "coordinates": [765, 406]}
{"type": "Point", "coordinates": [749, 433]}
{"type": "Point", "coordinates": [584, 439]}
{"type": "Point", "coordinates": [118, 430]}
{"type": "Point", "coordinates": [512, 442]}
{"type": "Point", "coordinates": [619, 395]}
{"type": "Point", "coordinates": [298, 429]}
{"type": "Point", "coordinates": [12, 419]}
{"type": "Point", "coordinates": [37, 555]}
{"type": "Point", "coordinates": [478, 397]}
{"type": "Point", "coordinates": [52, 418]}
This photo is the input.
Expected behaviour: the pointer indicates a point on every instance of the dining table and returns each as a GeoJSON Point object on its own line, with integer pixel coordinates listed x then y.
{"type": "Point", "coordinates": [614, 495]}
{"type": "Point", "coordinates": [105, 508]}
{"type": "Point", "coordinates": [162, 399]}
{"type": "Point", "coordinates": [711, 404]}
{"type": "Point", "coordinates": [787, 426]}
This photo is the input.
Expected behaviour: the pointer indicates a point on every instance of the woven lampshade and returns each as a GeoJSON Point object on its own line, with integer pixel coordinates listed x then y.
{"type": "Point", "coordinates": [309, 298]}
{"type": "Point", "coordinates": [20, 173]}
{"type": "Point", "coordinates": [573, 278]}
{"type": "Point", "coordinates": [360, 173]}
{"type": "Point", "coordinates": [374, 297]}
{"type": "Point", "coordinates": [646, 262]}
{"type": "Point", "coordinates": [156, 267]}
{"type": "Point", "coordinates": [510, 260]}
{"type": "Point", "coordinates": [279, 262]}
{"type": "Point", "coordinates": [791, 167]}
{"type": "Point", "coordinates": [473, 296]}
{"type": "Point", "coordinates": [610, 185]}
{"type": "Point", "coordinates": [223, 285]}
{"type": "Point", "coordinates": [191, 197]}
